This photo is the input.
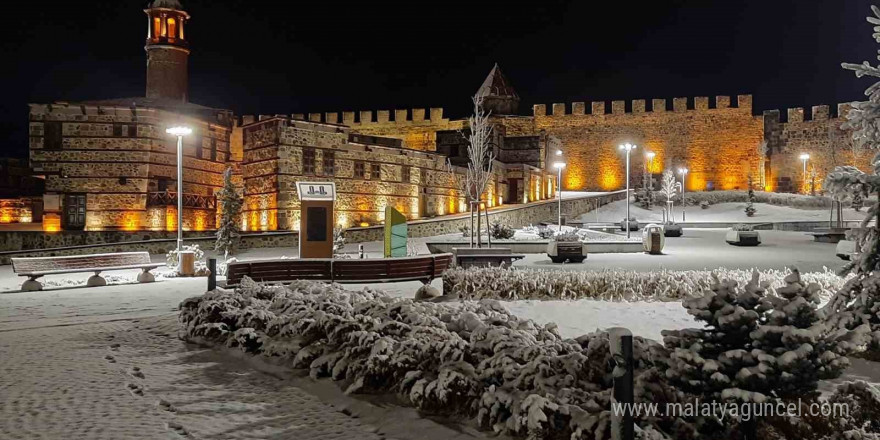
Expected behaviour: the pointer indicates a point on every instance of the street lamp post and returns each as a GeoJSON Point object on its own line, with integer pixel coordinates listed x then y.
{"type": "Point", "coordinates": [180, 132]}
{"type": "Point", "coordinates": [683, 172]}
{"type": "Point", "coordinates": [628, 148]}
{"type": "Point", "coordinates": [559, 166]}
{"type": "Point", "coordinates": [805, 157]}
{"type": "Point", "coordinates": [649, 155]}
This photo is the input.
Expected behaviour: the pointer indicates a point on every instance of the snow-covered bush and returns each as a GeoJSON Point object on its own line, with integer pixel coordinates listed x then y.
{"type": "Point", "coordinates": [705, 204]}
{"type": "Point", "coordinates": [800, 201]}
{"type": "Point", "coordinates": [501, 231]}
{"type": "Point", "coordinates": [756, 347]}
{"type": "Point", "coordinates": [567, 236]}
{"type": "Point", "coordinates": [465, 231]}
{"type": "Point", "coordinates": [339, 243]}
{"type": "Point", "coordinates": [743, 227]}
{"type": "Point", "coordinates": [474, 360]}
{"type": "Point", "coordinates": [610, 285]}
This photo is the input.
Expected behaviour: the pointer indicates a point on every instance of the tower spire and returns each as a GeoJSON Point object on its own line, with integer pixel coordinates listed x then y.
{"type": "Point", "coordinates": [167, 50]}
{"type": "Point", "coordinates": [499, 96]}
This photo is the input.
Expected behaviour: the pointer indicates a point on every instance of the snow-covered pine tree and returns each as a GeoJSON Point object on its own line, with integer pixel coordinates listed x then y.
{"type": "Point", "coordinates": [750, 206]}
{"type": "Point", "coordinates": [230, 216]}
{"type": "Point", "coordinates": [856, 306]}
{"type": "Point", "coordinates": [794, 347]}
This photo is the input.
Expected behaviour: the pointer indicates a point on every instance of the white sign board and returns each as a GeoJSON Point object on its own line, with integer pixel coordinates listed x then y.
{"type": "Point", "coordinates": [316, 191]}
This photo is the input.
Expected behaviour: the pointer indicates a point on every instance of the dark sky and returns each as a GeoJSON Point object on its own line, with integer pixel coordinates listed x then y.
{"type": "Point", "coordinates": [298, 56]}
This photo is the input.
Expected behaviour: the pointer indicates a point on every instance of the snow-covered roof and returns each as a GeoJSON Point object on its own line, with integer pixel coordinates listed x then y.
{"type": "Point", "coordinates": [170, 4]}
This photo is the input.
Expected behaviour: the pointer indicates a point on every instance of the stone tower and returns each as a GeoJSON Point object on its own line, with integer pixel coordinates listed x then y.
{"type": "Point", "coordinates": [500, 98]}
{"type": "Point", "coordinates": [167, 50]}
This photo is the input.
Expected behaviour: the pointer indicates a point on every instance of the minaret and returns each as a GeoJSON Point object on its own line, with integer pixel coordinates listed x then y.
{"type": "Point", "coordinates": [167, 50]}
{"type": "Point", "coordinates": [500, 98]}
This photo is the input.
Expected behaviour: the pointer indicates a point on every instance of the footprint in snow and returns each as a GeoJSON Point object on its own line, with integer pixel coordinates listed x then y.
{"type": "Point", "coordinates": [177, 428]}
{"type": "Point", "coordinates": [114, 347]}
{"type": "Point", "coordinates": [136, 372]}
{"type": "Point", "coordinates": [135, 389]}
{"type": "Point", "coordinates": [110, 358]}
{"type": "Point", "coordinates": [166, 406]}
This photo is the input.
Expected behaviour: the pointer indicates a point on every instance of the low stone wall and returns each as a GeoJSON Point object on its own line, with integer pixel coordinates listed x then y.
{"type": "Point", "coordinates": [515, 216]}
{"type": "Point", "coordinates": [38, 243]}
{"type": "Point", "coordinates": [96, 242]}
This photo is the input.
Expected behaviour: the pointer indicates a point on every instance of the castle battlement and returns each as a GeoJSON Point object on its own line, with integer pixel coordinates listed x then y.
{"type": "Point", "coordinates": [618, 107]}
{"type": "Point", "coordinates": [818, 113]}
{"type": "Point", "coordinates": [363, 118]}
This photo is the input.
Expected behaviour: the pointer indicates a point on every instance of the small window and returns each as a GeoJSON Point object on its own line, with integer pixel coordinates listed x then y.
{"type": "Point", "coordinates": [132, 130]}
{"type": "Point", "coordinates": [375, 172]}
{"type": "Point", "coordinates": [359, 170]}
{"type": "Point", "coordinates": [199, 151]}
{"type": "Point", "coordinates": [157, 27]}
{"type": "Point", "coordinates": [213, 150]}
{"type": "Point", "coordinates": [172, 28]}
{"type": "Point", "coordinates": [308, 161]}
{"type": "Point", "coordinates": [52, 135]}
{"type": "Point", "coordinates": [163, 184]}
{"type": "Point", "coordinates": [405, 174]}
{"type": "Point", "coordinates": [117, 130]}
{"type": "Point", "coordinates": [329, 163]}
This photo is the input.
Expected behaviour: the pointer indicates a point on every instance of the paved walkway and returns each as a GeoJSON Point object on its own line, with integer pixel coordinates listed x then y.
{"type": "Point", "coordinates": [136, 380]}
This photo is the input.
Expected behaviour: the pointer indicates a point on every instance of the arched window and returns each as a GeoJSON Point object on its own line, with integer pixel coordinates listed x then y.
{"type": "Point", "coordinates": [172, 28]}
{"type": "Point", "coordinates": [157, 28]}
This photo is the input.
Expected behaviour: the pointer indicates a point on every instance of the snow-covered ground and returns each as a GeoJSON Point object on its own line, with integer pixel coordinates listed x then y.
{"type": "Point", "coordinates": [720, 213]}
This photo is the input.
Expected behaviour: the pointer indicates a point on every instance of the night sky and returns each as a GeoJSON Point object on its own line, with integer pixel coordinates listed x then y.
{"type": "Point", "coordinates": [313, 56]}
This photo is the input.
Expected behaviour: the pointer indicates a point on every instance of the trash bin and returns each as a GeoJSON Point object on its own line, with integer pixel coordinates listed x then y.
{"type": "Point", "coordinates": [653, 239]}
{"type": "Point", "coordinates": [187, 264]}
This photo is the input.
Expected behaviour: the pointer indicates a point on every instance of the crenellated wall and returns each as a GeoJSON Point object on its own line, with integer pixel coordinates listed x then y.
{"type": "Point", "coordinates": [416, 183]}
{"type": "Point", "coordinates": [715, 140]}
{"type": "Point", "coordinates": [817, 133]}
{"type": "Point", "coordinates": [416, 127]}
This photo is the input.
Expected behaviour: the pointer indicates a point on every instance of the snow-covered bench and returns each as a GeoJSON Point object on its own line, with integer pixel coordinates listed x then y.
{"type": "Point", "coordinates": [36, 267]}
{"type": "Point", "coordinates": [376, 270]}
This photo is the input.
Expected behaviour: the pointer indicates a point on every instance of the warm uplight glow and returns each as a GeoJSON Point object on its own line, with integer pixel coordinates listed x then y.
{"type": "Point", "coordinates": [179, 131]}
{"type": "Point", "coordinates": [51, 222]}
{"type": "Point", "coordinates": [364, 224]}
{"type": "Point", "coordinates": [130, 221]}
{"type": "Point", "coordinates": [200, 220]}
{"type": "Point", "coordinates": [171, 219]}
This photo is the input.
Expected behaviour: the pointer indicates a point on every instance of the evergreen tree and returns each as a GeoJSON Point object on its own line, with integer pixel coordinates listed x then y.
{"type": "Point", "coordinates": [230, 217]}
{"type": "Point", "coordinates": [856, 306]}
{"type": "Point", "coordinates": [755, 346]}
{"type": "Point", "coordinates": [750, 206]}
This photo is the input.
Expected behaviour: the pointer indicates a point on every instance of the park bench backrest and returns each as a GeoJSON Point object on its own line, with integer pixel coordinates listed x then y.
{"type": "Point", "coordinates": [414, 268]}
{"type": "Point", "coordinates": [481, 251]}
{"type": "Point", "coordinates": [79, 262]}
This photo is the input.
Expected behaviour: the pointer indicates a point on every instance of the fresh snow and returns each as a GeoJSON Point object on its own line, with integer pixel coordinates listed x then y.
{"type": "Point", "coordinates": [718, 213]}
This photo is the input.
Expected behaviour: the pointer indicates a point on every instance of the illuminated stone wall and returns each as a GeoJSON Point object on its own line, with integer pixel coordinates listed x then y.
{"type": "Point", "coordinates": [416, 127]}
{"type": "Point", "coordinates": [273, 163]}
{"type": "Point", "coordinates": [716, 143]}
{"type": "Point", "coordinates": [117, 156]}
{"type": "Point", "coordinates": [16, 211]}
{"type": "Point", "coordinates": [817, 134]}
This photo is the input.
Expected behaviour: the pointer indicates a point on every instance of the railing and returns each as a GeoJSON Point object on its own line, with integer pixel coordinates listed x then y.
{"type": "Point", "coordinates": [169, 198]}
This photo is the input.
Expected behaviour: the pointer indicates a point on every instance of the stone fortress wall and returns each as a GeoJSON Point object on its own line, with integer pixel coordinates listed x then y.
{"type": "Point", "coordinates": [118, 157]}
{"type": "Point", "coordinates": [817, 133]}
{"type": "Point", "coordinates": [370, 173]}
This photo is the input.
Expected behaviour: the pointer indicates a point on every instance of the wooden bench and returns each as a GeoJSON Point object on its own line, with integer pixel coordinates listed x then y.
{"type": "Point", "coordinates": [484, 257]}
{"type": "Point", "coordinates": [37, 267]}
{"type": "Point", "coordinates": [385, 270]}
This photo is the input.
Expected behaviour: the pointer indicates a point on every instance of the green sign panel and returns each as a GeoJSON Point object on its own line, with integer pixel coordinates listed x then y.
{"type": "Point", "coordinates": [395, 233]}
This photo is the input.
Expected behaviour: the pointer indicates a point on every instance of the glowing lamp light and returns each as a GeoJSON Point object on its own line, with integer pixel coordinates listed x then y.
{"type": "Point", "coordinates": [804, 156]}
{"type": "Point", "coordinates": [179, 131]}
{"type": "Point", "coordinates": [559, 165]}
{"type": "Point", "coordinates": [650, 155]}
{"type": "Point", "coordinates": [364, 225]}
{"type": "Point", "coordinates": [682, 171]}
{"type": "Point", "coordinates": [559, 152]}
{"type": "Point", "coordinates": [627, 147]}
